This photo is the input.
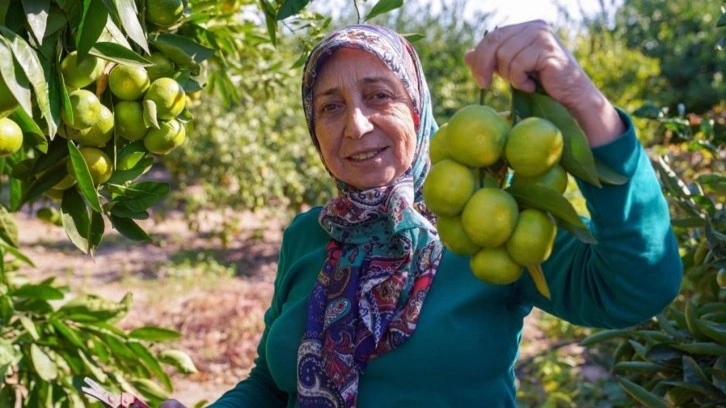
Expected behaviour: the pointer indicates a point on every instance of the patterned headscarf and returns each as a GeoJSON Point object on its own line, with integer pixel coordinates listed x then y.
{"type": "Point", "coordinates": [384, 250]}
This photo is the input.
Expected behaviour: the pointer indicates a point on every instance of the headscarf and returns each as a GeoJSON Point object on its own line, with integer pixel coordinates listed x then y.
{"type": "Point", "coordinates": [383, 251]}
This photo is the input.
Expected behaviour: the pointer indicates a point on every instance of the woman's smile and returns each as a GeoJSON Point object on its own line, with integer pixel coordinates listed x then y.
{"type": "Point", "coordinates": [366, 155]}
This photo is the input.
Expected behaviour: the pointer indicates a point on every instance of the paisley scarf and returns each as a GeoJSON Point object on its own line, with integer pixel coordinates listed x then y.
{"type": "Point", "coordinates": [383, 252]}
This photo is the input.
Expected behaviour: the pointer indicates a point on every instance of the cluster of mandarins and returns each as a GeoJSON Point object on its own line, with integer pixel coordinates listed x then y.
{"type": "Point", "coordinates": [145, 105]}
{"type": "Point", "coordinates": [475, 157]}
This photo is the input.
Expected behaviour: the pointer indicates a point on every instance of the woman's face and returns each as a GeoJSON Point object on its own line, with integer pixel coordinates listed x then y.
{"type": "Point", "coordinates": [363, 119]}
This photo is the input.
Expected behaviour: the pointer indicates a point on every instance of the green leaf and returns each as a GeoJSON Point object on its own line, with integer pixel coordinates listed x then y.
{"type": "Point", "coordinates": [150, 362]}
{"type": "Point", "coordinates": [95, 15]}
{"type": "Point", "coordinates": [8, 228]}
{"type": "Point", "coordinates": [17, 254]}
{"type": "Point", "coordinates": [182, 50]}
{"type": "Point", "coordinates": [124, 176]}
{"type": "Point", "coordinates": [28, 60]}
{"type": "Point", "coordinates": [42, 184]}
{"type": "Point", "coordinates": [44, 366]}
{"type": "Point", "coordinates": [604, 335]}
{"type": "Point", "coordinates": [83, 177]}
{"type": "Point", "coordinates": [577, 158]}
{"type": "Point", "coordinates": [68, 332]}
{"type": "Point", "coordinates": [36, 13]}
{"type": "Point", "coordinates": [722, 19]}
{"type": "Point", "coordinates": [178, 359]}
{"type": "Point", "coordinates": [92, 366]}
{"type": "Point", "coordinates": [639, 366]}
{"type": "Point", "coordinates": [98, 226]}
{"type": "Point", "coordinates": [149, 389]}
{"type": "Point", "coordinates": [38, 291]}
{"type": "Point", "coordinates": [153, 333]}
{"type": "Point", "coordinates": [715, 331]}
{"type": "Point", "coordinates": [29, 327]}
{"type": "Point", "coordinates": [76, 221]}
{"type": "Point", "coordinates": [546, 199]}
{"type": "Point", "coordinates": [290, 8]}
{"type": "Point", "coordinates": [89, 308]}
{"type": "Point", "coordinates": [128, 14]}
{"type": "Point", "coordinates": [14, 78]}
{"type": "Point", "coordinates": [270, 20]}
{"type": "Point", "coordinates": [413, 37]}
{"type": "Point", "coordinates": [150, 120]}
{"type": "Point", "coordinates": [33, 134]}
{"type": "Point", "coordinates": [119, 54]}
{"type": "Point", "coordinates": [128, 228]}
{"type": "Point", "coordinates": [706, 348]}
{"type": "Point", "coordinates": [608, 175]}
{"type": "Point", "coordinates": [141, 196]}
{"type": "Point", "coordinates": [383, 6]}
{"type": "Point", "coordinates": [641, 395]}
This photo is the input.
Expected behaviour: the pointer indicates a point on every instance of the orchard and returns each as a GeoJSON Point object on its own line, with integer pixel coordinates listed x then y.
{"type": "Point", "coordinates": [96, 94]}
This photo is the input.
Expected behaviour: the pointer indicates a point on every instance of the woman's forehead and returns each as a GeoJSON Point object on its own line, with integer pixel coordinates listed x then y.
{"type": "Point", "coordinates": [353, 67]}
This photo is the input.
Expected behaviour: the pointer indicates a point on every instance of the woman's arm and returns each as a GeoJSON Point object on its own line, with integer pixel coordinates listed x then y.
{"type": "Point", "coordinates": [634, 270]}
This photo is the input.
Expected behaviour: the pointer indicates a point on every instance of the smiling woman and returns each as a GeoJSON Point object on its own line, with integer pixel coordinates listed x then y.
{"type": "Point", "coordinates": [364, 120]}
{"type": "Point", "coordinates": [369, 308]}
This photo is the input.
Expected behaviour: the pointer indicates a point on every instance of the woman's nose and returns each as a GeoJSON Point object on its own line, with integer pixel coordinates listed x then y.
{"type": "Point", "coordinates": [357, 123]}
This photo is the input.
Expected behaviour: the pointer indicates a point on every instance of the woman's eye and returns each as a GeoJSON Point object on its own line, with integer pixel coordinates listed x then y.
{"type": "Point", "coordinates": [328, 107]}
{"type": "Point", "coordinates": [379, 96]}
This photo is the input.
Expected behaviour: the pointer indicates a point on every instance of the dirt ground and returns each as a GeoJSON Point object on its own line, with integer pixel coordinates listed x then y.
{"type": "Point", "coordinates": [214, 295]}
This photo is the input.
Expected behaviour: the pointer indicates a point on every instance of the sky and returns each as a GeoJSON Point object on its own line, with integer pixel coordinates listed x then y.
{"type": "Point", "coordinates": [505, 11]}
{"type": "Point", "coordinates": [517, 11]}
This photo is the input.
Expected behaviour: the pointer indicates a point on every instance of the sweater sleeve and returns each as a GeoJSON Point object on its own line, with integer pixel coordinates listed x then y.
{"type": "Point", "coordinates": [635, 270]}
{"type": "Point", "coordinates": [259, 388]}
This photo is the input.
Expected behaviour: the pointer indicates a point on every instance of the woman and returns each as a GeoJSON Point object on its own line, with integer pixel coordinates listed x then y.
{"type": "Point", "coordinates": [369, 309]}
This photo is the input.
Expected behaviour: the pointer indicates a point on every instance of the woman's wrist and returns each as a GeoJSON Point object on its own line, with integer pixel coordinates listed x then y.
{"type": "Point", "coordinates": [598, 118]}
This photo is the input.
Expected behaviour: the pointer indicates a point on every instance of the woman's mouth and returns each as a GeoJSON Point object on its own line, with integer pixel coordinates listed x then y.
{"type": "Point", "coordinates": [359, 157]}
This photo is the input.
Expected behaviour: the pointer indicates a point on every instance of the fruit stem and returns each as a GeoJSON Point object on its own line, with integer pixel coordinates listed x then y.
{"type": "Point", "coordinates": [539, 280]}
{"type": "Point", "coordinates": [481, 96]}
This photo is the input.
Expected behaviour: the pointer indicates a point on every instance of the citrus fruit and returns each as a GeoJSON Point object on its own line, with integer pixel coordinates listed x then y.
{"type": "Point", "coordinates": [168, 96]}
{"type": "Point", "coordinates": [127, 82]}
{"type": "Point", "coordinates": [164, 13]}
{"type": "Point", "coordinates": [169, 136]}
{"type": "Point", "coordinates": [476, 135]}
{"type": "Point", "coordinates": [448, 186]}
{"type": "Point", "coordinates": [533, 237]}
{"type": "Point", "coordinates": [53, 194]}
{"type": "Point", "coordinates": [99, 133]}
{"type": "Point", "coordinates": [454, 237]}
{"type": "Point", "coordinates": [439, 148]}
{"type": "Point", "coordinates": [162, 66]}
{"type": "Point", "coordinates": [489, 217]}
{"type": "Point", "coordinates": [85, 107]}
{"type": "Point", "coordinates": [11, 137]}
{"type": "Point", "coordinates": [129, 117]}
{"type": "Point", "coordinates": [8, 103]}
{"type": "Point", "coordinates": [721, 278]}
{"type": "Point", "coordinates": [495, 266]}
{"type": "Point", "coordinates": [67, 182]}
{"type": "Point", "coordinates": [555, 178]}
{"type": "Point", "coordinates": [533, 146]}
{"type": "Point", "coordinates": [81, 74]}
{"type": "Point", "coordinates": [98, 162]}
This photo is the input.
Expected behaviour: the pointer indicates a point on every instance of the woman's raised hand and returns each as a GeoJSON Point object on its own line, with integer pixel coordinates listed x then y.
{"type": "Point", "coordinates": [528, 52]}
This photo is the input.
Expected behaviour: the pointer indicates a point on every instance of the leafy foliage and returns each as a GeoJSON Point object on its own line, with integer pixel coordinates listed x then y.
{"type": "Point", "coordinates": [681, 35]}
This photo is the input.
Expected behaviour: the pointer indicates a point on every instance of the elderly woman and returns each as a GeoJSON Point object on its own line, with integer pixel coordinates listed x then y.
{"type": "Point", "coordinates": [369, 309]}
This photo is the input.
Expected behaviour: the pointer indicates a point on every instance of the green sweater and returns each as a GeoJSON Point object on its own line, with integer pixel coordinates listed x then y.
{"type": "Point", "coordinates": [466, 343]}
